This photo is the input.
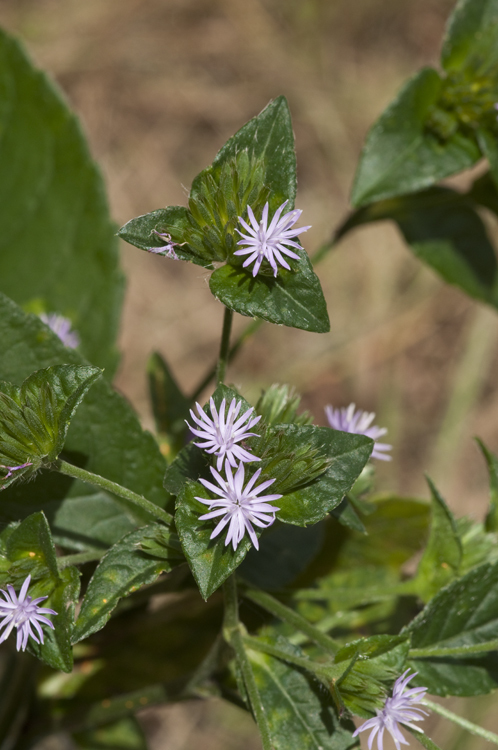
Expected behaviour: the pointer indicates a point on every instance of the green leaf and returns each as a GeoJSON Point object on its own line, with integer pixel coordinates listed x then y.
{"type": "Point", "coordinates": [125, 734]}
{"type": "Point", "coordinates": [294, 298]}
{"type": "Point", "coordinates": [31, 542]}
{"type": "Point", "coordinates": [279, 404]}
{"type": "Point", "coordinates": [442, 557]}
{"type": "Point", "coordinates": [104, 436]}
{"type": "Point", "coordinates": [210, 560]}
{"type": "Point", "coordinates": [284, 553]}
{"type": "Point", "coordinates": [122, 570]}
{"type": "Point", "coordinates": [57, 651]}
{"type": "Point", "coordinates": [492, 462]}
{"type": "Point", "coordinates": [400, 156]}
{"type": "Point", "coordinates": [469, 22]}
{"type": "Point", "coordinates": [464, 613]}
{"type": "Point", "coordinates": [489, 147]}
{"type": "Point", "coordinates": [300, 712]}
{"type": "Point", "coordinates": [443, 229]}
{"type": "Point", "coordinates": [288, 453]}
{"type": "Point", "coordinates": [58, 252]}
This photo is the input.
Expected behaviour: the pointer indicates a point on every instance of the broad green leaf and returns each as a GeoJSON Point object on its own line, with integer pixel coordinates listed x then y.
{"type": "Point", "coordinates": [484, 192]}
{"type": "Point", "coordinates": [492, 462]}
{"type": "Point", "coordinates": [56, 650]}
{"type": "Point", "coordinates": [210, 560]}
{"type": "Point", "coordinates": [125, 734]}
{"type": "Point", "coordinates": [284, 553]}
{"type": "Point", "coordinates": [464, 613]}
{"type": "Point", "coordinates": [300, 712]}
{"type": "Point", "coordinates": [35, 418]}
{"type": "Point", "coordinates": [104, 436]}
{"type": "Point", "coordinates": [400, 156]}
{"type": "Point", "coordinates": [488, 144]}
{"type": "Point", "coordinates": [288, 452]}
{"type": "Point", "coordinates": [31, 543]}
{"type": "Point", "coordinates": [294, 298]}
{"type": "Point", "coordinates": [122, 570]}
{"type": "Point", "coordinates": [170, 406]}
{"type": "Point", "coordinates": [347, 516]}
{"type": "Point", "coordinates": [58, 252]}
{"type": "Point", "coordinates": [442, 557]}
{"type": "Point", "coordinates": [443, 229]}
{"type": "Point", "coordinates": [478, 545]}
{"type": "Point", "coordinates": [469, 22]}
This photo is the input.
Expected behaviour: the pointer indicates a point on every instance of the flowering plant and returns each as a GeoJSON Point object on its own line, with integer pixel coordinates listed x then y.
{"type": "Point", "coordinates": [231, 501]}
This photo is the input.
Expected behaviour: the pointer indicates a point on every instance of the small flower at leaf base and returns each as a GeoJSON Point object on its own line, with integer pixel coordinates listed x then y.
{"type": "Point", "coordinates": [168, 248]}
{"type": "Point", "coordinates": [61, 326]}
{"type": "Point", "coordinates": [399, 709]}
{"type": "Point", "coordinates": [359, 423]}
{"type": "Point", "coordinates": [221, 434]}
{"type": "Point", "coordinates": [23, 613]}
{"type": "Point", "coordinates": [11, 469]}
{"type": "Point", "coordinates": [265, 242]}
{"type": "Point", "coordinates": [240, 506]}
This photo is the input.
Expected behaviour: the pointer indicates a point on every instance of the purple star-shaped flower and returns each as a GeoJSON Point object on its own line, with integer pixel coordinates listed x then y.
{"type": "Point", "coordinates": [269, 242]}
{"type": "Point", "coordinates": [22, 612]}
{"type": "Point", "coordinates": [240, 506]}
{"type": "Point", "coordinates": [222, 434]}
{"type": "Point", "coordinates": [360, 423]}
{"type": "Point", "coordinates": [399, 709]}
{"type": "Point", "coordinates": [61, 326]}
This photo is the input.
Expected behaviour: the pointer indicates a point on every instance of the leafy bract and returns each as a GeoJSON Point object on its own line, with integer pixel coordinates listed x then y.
{"type": "Point", "coordinates": [469, 23]}
{"type": "Point", "coordinates": [300, 711]}
{"type": "Point", "coordinates": [443, 229]}
{"type": "Point", "coordinates": [400, 155]}
{"type": "Point", "coordinates": [211, 560]}
{"type": "Point", "coordinates": [58, 252]}
{"type": "Point", "coordinates": [294, 298]}
{"type": "Point", "coordinates": [464, 613]}
{"type": "Point", "coordinates": [28, 549]}
{"type": "Point", "coordinates": [35, 418]}
{"type": "Point", "coordinates": [122, 570]}
{"type": "Point", "coordinates": [104, 436]}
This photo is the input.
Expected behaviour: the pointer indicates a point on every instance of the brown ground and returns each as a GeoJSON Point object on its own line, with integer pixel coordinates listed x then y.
{"type": "Point", "coordinates": [160, 85]}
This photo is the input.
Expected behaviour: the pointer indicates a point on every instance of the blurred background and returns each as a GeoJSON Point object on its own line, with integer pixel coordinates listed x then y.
{"type": "Point", "coordinates": [159, 86]}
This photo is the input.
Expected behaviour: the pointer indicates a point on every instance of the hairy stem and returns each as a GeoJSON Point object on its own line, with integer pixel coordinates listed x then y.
{"type": "Point", "coordinates": [327, 672]}
{"type": "Point", "coordinates": [477, 648]}
{"type": "Point", "coordinates": [274, 607]}
{"type": "Point", "coordinates": [464, 723]}
{"type": "Point", "coordinates": [233, 635]}
{"type": "Point", "coordinates": [224, 346]}
{"type": "Point", "coordinates": [115, 489]}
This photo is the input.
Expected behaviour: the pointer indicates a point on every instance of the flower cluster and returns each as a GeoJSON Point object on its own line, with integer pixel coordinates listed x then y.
{"type": "Point", "coordinates": [22, 612]}
{"type": "Point", "coordinates": [399, 709]}
{"type": "Point", "coordinates": [240, 507]}
{"type": "Point", "coordinates": [360, 423]}
{"type": "Point", "coordinates": [265, 242]}
{"type": "Point", "coordinates": [61, 326]}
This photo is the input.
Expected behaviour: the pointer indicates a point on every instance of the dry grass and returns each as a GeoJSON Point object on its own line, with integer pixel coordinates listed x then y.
{"type": "Point", "coordinates": [160, 85]}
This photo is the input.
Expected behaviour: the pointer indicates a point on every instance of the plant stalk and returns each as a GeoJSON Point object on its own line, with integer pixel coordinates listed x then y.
{"type": "Point", "coordinates": [116, 489]}
{"type": "Point", "coordinates": [224, 346]}
{"type": "Point", "coordinates": [464, 723]}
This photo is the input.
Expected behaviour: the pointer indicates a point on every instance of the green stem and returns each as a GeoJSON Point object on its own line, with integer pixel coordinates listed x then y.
{"type": "Point", "coordinates": [327, 672]}
{"type": "Point", "coordinates": [233, 635]}
{"type": "Point", "coordinates": [323, 250]}
{"type": "Point", "coordinates": [224, 346]}
{"type": "Point", "coordinates": [287, 614]}
{"type": "Point", "coordinates": [79, 558]}
{"type": "Point", "coordinates": [115, 489]}
{"type": "Point", "coordinates": [477, 648]}
{"type": "Point", "coordinates": [464, 723]}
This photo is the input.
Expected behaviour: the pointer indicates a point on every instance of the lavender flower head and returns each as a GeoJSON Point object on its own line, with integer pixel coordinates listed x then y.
{"type": "Point", "coordinates": [268, 242]}
{"type": "Point", "coordinates": [400, 709]}
{"type": "Point", "coordinates": [168, 248]}
{"type": "Point", "coordinates": [61, 326]}
{"type": "Point", "coordinates": [221, 434]}
{"type": "Point", "coordinates": [240, 506]}
{"type": "Point", "coordinates": [360, 423]}
{"type": "Point", "coordinates": [22, 612]}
